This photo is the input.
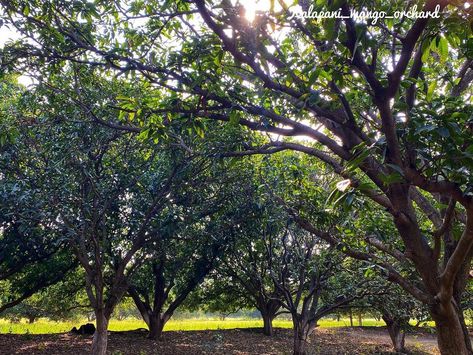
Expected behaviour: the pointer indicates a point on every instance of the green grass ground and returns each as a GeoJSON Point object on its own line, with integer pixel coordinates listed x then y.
{"type": "Point", "coordinates": [44, 326]}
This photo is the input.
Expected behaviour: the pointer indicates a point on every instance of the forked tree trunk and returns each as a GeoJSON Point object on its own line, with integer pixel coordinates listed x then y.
{"type": "Point", "coordinates": [268, 310]}
{"type": "Point", "coordinates": [156, 326]}
{"type": "Point", "coordinates": [300, 346]}
{"type": "Point", "coordinates": [300, 340]}
{"type": "Point", "coordinates": [99, 343]}
{"type": "Point", "coordinates": [396, 333]}
{"type": "Point", "coordinates": [450, 336]}
{"type": "Point", "coordinates": [302, 331]}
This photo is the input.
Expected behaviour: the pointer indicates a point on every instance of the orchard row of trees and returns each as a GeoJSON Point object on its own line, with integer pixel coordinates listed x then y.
{"type": "Point", "coordinates": [91, 215]}
{"type": "Point", "coordinates": [151, 218]}
{"type": "Point", "coordinates": [129, 152]}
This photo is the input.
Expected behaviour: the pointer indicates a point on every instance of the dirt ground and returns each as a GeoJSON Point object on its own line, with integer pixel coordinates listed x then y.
{"type": "Point", "coordinates": [326, 341]}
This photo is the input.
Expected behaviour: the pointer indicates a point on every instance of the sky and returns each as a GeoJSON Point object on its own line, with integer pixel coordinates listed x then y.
{"type": "Point", "coordinates": [7, 34]}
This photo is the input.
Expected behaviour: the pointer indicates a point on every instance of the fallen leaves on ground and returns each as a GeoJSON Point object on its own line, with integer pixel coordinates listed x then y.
{"type": "Point", "coordinates": [330, 341]}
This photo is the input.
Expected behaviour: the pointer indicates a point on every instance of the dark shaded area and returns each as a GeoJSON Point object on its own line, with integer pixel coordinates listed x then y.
{"type": "Point", "coordinates": [84, 329]}
{"type": "Point", "coordinates": [237, 341]}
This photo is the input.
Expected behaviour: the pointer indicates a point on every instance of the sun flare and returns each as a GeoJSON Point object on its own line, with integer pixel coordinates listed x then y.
{"type": "Point", "coordinates": [252, 7]}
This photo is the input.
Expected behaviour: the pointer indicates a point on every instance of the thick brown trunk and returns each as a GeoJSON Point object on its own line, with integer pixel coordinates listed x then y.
{"type": "Point", "coordinates": [300, 344]}
{"type": "Point", "coordinates": [466, 333]}
{"type": "Point", "coordinates": [450, 336]}
{"type": "Point", "coordinates": [267, 324]}
{"type": "Point", "coordinates": [398, 339]}
{"type": "Point", "coordinates": [99, 343]}
{"type": "Point", "coordinates": [300, 347]}
{"type": "Point", "coordinates": [268, 310]}
{"type": "Point", "coordinates": [300, 336]}
{"type": "Point", "coordinates": [461, 279]}
{"type": "Point", "coordinates": [156, 326]}
{"type": "Point", "coordinates": [458, 290]}
{"type": "Point", "coordinates": [396, 334]}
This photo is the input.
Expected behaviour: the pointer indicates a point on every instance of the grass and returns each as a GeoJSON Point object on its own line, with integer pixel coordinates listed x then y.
{"type": "Point", "coordinates": [44, 326]}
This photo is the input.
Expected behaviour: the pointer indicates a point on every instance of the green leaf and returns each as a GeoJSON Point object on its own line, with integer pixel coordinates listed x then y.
{"type": "Point", "coordinates": [355, 162]}
{"type": "Point", "coordinates": [443, 49]}
{"type": "Point", "coordinates": [329, 27]}
{"type": "Point", "coordinates": [391, 178]}
{"type": "Point", "coordinates": [313, 77]}
{"type": "Point", "coordinates": [396, 168]}
{"type": "Point", "coordinates": [430, 90]}
{"type": "Point", "coordinates": [444, 132]}
{"type": "Point", "coordinates": [425, 128]}
{"type": "Point", "coordinates": [144, 134]}
{"type": "Point", "coordinates": [366, 186]}
{"type": "Point", "coordinates": [234, 117]}
{"type": "Point", "coordinates": [200, 132]}
{"type": "Point", "coordinates": [459, 115]}
{"type": "Point", "coordinates": [425, 51]}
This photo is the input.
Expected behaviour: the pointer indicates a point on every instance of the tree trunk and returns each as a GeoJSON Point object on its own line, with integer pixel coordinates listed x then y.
{"type": "Point", "coordinates": [450, 336]}
{"type": "Point", "coordinates": [466, 333]}
{"type": "Point", "coordinates": [351, 317]}
{"type": "Point", "coordinates": [31, 319]}
{"type": "Point", "coordinates": [268, 310]}
{"type": "Point", "coordinates": [300, 346]}
{"type": "Point", "coordinates": [459, 288]}
{"type": "Point", "coordinates": [396, 333]}
{"type": "Point", "coordinates": [461, 279]}
{"type": "Point", "coordinates": [300, 335]}
{"type": "Point", "coordinates": [300, 342]}
{"type": "Point", "coordinates": [99, 343]}
{"type": "Point", "coordinates": [267, 324]}
{"type": "Point", "coordinates": [156, 326]}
